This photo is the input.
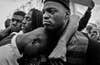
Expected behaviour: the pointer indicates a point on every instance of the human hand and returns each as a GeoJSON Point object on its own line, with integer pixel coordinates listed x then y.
{"type": "Point", "coordinates": [92, 6]}
{"type": "Point", "coordinates": [59, 51]}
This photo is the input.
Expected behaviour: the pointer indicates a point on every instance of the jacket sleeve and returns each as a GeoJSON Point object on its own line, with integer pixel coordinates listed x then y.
{"type": "Point", "coordinates": [93, 53]}
{"type": "Point", "coordinates": [84, 20]}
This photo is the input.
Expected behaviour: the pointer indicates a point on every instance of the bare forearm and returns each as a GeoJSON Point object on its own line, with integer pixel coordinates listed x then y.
{"type": "Point", "coordinates": [69, 31]}
{"type": "Point", "coordinates": [71, 28]}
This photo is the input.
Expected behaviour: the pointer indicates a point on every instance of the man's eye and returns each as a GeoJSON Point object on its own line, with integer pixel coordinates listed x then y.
{"type": "Point", "coordinates": [28, 18]}
{"type": "Point", "coordinates": [43, 11]}
{"type": "Point", "coordinates": [52, 11]}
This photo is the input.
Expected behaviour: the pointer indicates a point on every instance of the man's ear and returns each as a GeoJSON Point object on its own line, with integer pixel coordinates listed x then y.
{"type": "Point", "coordinates": [67, 18]}
{"type": "Point", "coordinates": [67, 14]}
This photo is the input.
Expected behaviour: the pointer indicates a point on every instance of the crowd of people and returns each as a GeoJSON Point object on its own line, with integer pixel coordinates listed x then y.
{"type": "Point", "coordinates": [50, 37]}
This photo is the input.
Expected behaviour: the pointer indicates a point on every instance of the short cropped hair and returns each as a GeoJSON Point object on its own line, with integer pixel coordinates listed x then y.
{"type": "Point", "coordinates": [21, 13]}
{"type": "Point", "coordinates": [37, 18]}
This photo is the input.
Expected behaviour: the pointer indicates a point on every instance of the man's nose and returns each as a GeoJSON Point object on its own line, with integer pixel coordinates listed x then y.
{"type": "Point", "coordinates": [24, 21]}
{"type": "Point", "coordinates": [46, 15]}
{"type": "Point", "coordinates": [14, 23]}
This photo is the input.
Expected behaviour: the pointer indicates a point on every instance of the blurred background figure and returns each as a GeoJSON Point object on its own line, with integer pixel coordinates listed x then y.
{"type": "Point", "coordinates": [7, 22]}
{"type": "Point", "coordinates": [89, 27]}
{"type": "Point", "coordinates": [15, 26]}
{"type": "Point", "coordinates": [94, 34]}
{"type": "Point", "coordinates": [17, 19]}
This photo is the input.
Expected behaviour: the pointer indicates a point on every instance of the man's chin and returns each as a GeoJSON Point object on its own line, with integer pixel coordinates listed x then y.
{"type": "Point", "coordinates": [16, 30]}
{"type": "Point", "coordinates": [48, 28]}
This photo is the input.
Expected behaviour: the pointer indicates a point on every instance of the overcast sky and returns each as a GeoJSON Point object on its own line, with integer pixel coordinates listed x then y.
{"type": "Point", "coordinates": [8, 6]}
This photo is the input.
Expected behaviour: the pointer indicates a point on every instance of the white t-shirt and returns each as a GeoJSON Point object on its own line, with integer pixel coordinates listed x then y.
{"type": "Point", "coordinates": [9, 53]}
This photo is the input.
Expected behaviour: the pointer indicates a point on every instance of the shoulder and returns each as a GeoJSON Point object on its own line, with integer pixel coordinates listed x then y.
{"type": "Point", "coordinates": [78, 42]}
{"type": "Point", "coordinates": [35, 33]}
{"type": "Point", "coordinates": [27, 37]}
{"type": "Point", "coordinates": [93, 52]}
{"type": "Point", "coordinates": [79, 37]}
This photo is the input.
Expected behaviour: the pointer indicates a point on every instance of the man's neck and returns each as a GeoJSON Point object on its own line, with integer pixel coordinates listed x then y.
{"type": "Point", "coordinates": [53, 37]}
{"type": "Point", "coordinates": [55, 33]}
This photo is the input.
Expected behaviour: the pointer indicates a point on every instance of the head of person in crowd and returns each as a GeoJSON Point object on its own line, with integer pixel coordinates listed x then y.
{"type": "Point", "coordinates": [32, 20]}
{"type": "Point", "coordinates": [98, 34]}
{"type": "Point", "coordinates": [7, 22]}
{"type": "Point", "coordinates": [94, 34]}
{"type": "Point", "coordinates": [90, 26]}
{"type": "Point", "coordinates": [56, 14]}
{"type": "Point", "coordinates": [17, 19]}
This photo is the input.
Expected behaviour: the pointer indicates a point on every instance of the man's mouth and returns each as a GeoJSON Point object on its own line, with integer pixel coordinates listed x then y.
{"type": "Point", "coordinates": [46, 23]}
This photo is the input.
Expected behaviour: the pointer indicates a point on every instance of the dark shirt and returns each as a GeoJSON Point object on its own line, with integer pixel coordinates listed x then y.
{"type": "Point", "coordinates": [93, 53]}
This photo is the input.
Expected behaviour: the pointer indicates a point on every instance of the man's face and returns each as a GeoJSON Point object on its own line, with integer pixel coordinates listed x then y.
{"type": "Point", "coordinates": [89, 28]}
{"type": "Point", "coordinates": [16, 23]}
{"type": "Point", "coordinates": [27, 22]}
{"type": "Point", "coordinates": [54, 15]}
{"type": "Point", "coordinates": [94, 34]}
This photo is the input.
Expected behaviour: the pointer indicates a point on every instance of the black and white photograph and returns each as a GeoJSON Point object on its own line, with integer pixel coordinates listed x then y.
{"type": "Point", "coordinates": [49, 32]}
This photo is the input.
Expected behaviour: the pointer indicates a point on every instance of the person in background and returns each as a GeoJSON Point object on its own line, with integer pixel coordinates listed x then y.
{"type": "Point", "coordinates": [15, 26]}
{"type": "Point", "coordinates": [94, 34]}
{"type": "Point", "coordinates": [17, 19]}
{"type": "Point", "coordinates": [89, 28]}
